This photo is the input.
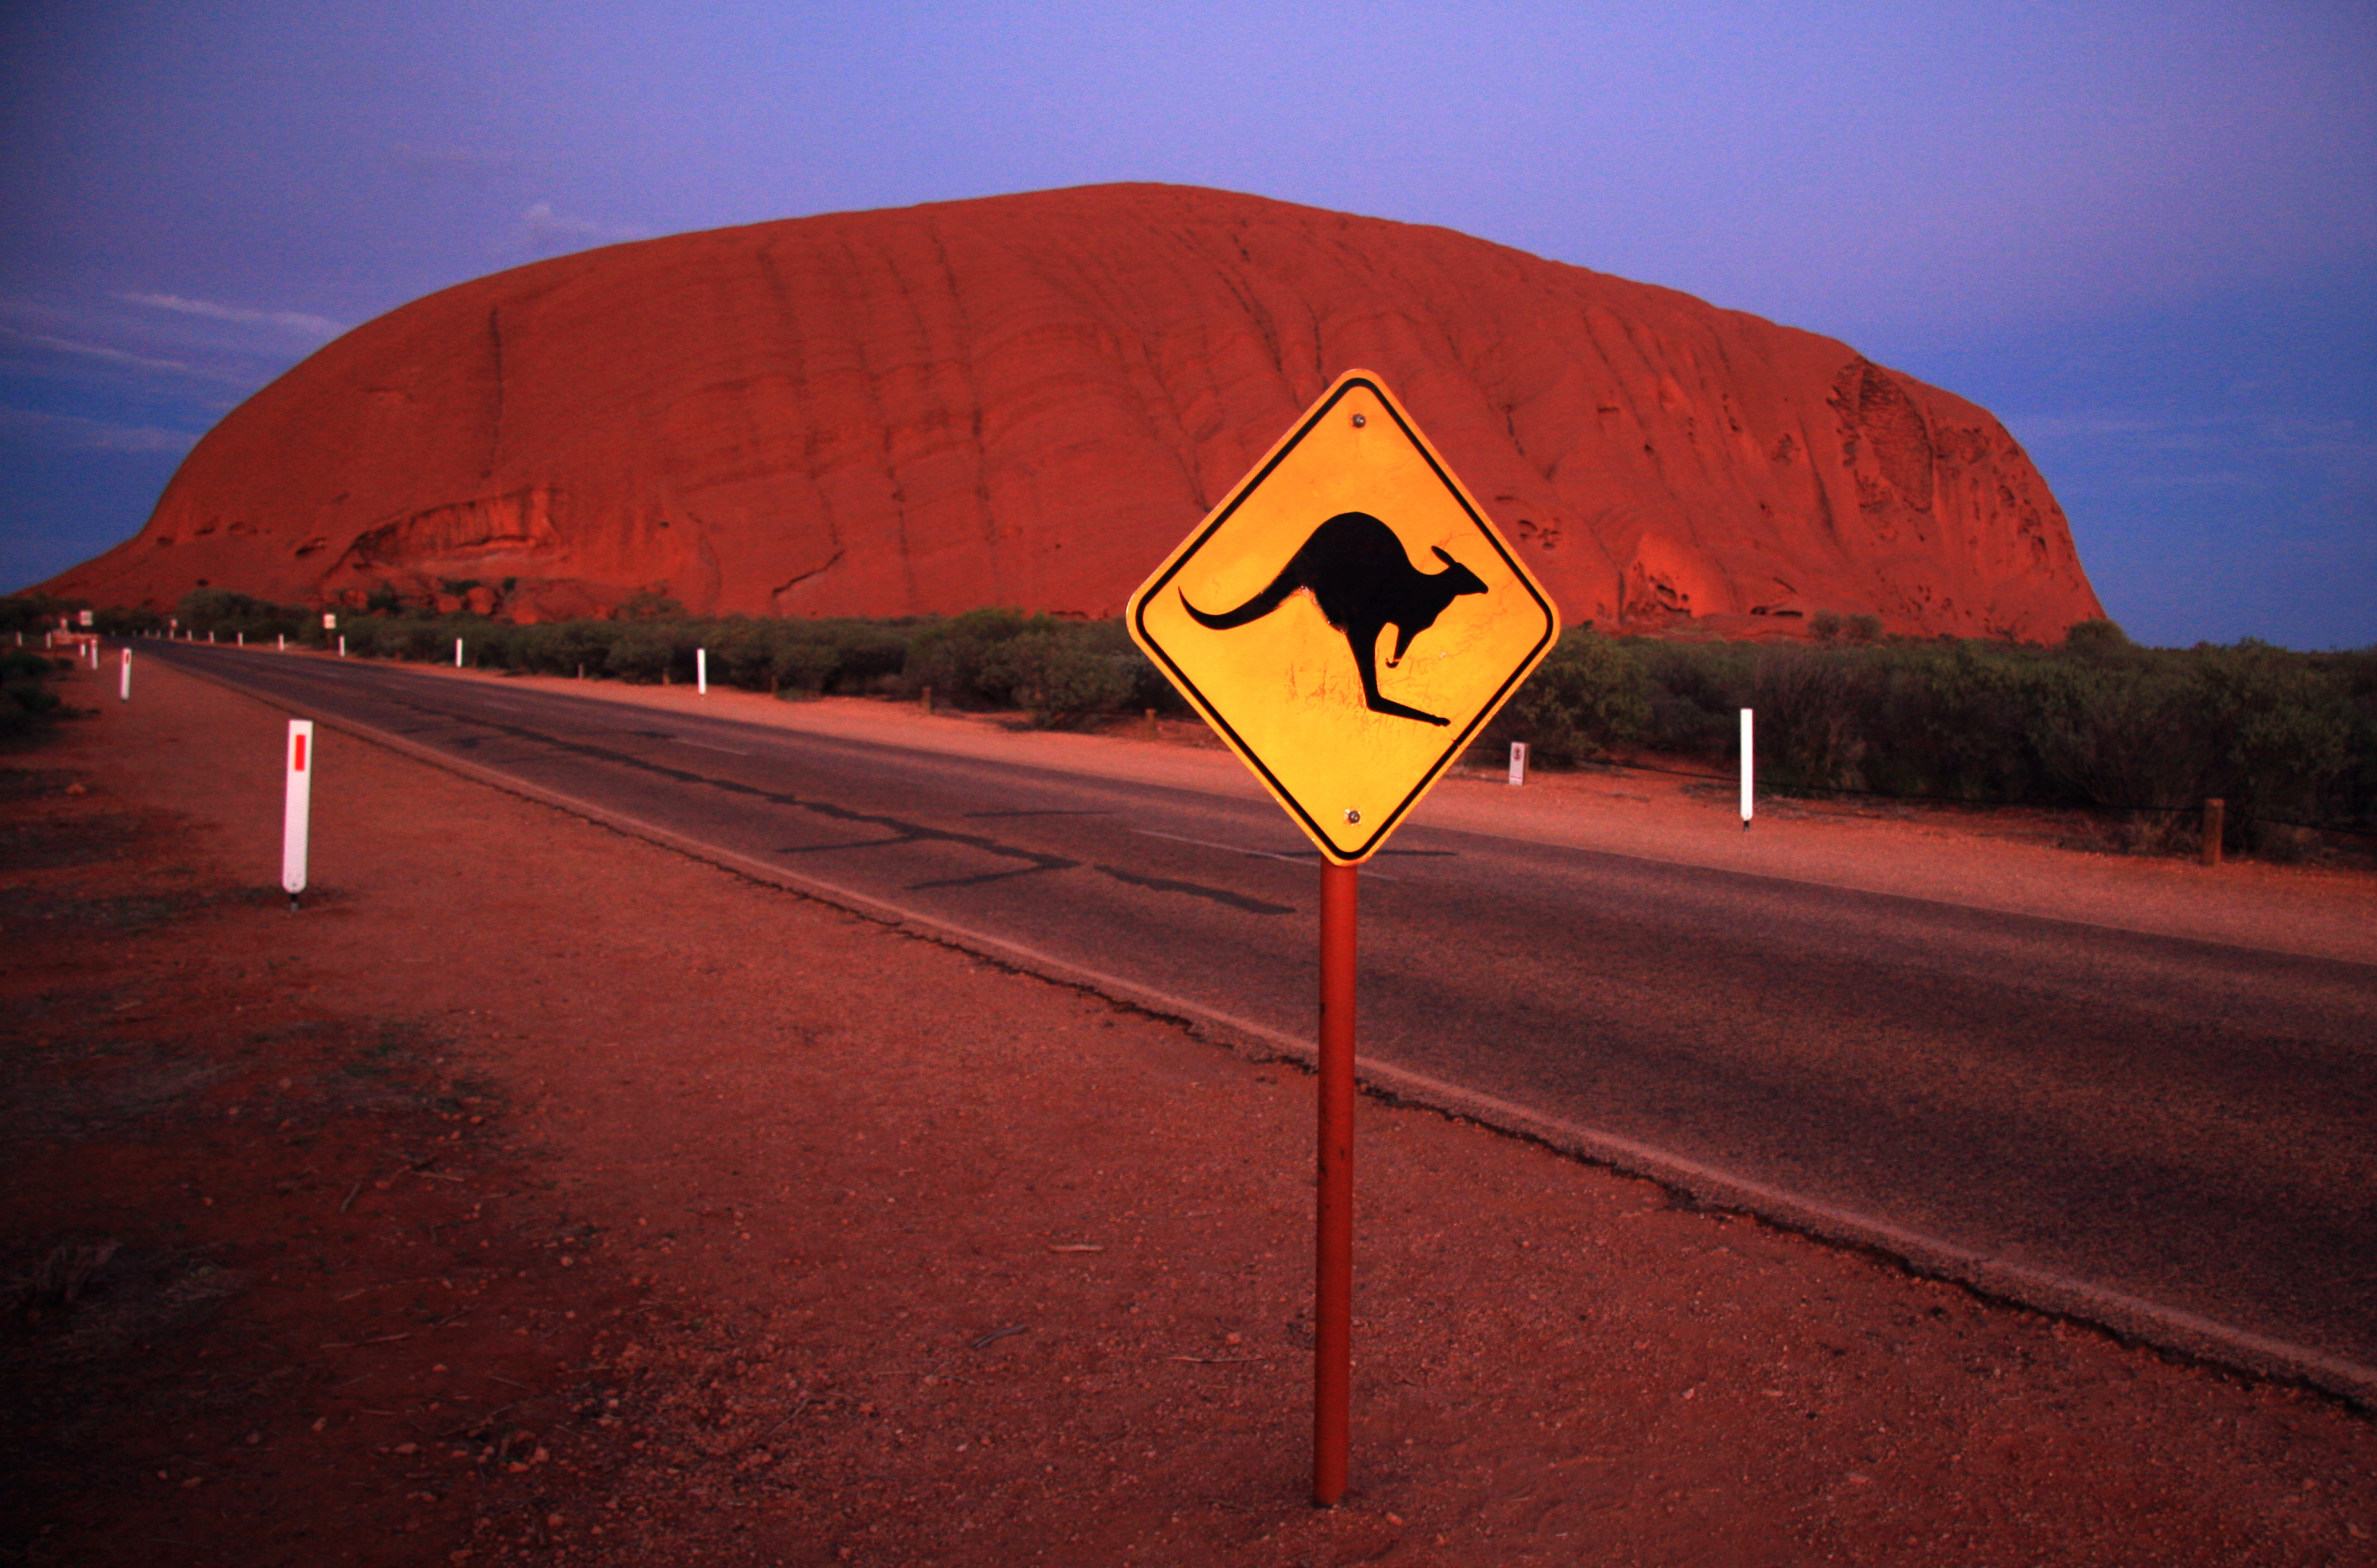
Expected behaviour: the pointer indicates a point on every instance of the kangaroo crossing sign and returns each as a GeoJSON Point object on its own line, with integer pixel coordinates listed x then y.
{"type": "Point", "coordinates": [1272, 619]}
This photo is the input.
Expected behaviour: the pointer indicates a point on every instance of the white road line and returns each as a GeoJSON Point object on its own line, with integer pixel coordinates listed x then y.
{"type": "Point", "coordinates": [1231, 848]}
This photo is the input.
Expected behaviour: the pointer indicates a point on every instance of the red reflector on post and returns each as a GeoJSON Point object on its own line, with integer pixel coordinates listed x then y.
{"type": "Point", "coordinates": [297, 761]}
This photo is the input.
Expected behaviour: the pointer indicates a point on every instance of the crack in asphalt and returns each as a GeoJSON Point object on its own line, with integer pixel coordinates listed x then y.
{"type": "Point", "coordinates": [901, 831]}
{"type": "Point", "coordinates": [1220, 895]}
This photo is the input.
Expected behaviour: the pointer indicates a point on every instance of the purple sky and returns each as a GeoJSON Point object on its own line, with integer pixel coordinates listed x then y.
{"type": "Point", "coordinates": [2145, 235]}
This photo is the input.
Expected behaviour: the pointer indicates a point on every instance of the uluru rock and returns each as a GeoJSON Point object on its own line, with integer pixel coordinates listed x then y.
{"type": "Point", "coordinates": [1028, 400]}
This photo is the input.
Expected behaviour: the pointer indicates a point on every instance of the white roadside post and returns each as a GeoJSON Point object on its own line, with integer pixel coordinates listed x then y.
{"type": "Point", "coordinates": [458, 652]}
{"type": "Point", "coordinates": [297, 809]}
{"type": "Point", "coordinates": [342, 645]}
{"type": "Point", "coordinates": [282, 639]}
{"type": "Point", "coordinates": [241, 637]}
{"type": "Point", "coordinates": [123, 690]}
{"type": "Point", "coordinates": [1749, 795]}
{"type": "Point", "coordinates": [702, 672]}
{"type": "Point", "coordinates": [1518, 762]}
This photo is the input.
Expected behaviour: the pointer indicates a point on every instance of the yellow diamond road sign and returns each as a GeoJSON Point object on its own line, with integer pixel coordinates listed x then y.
{"type": "Point", "coordinates": [1347, 619]}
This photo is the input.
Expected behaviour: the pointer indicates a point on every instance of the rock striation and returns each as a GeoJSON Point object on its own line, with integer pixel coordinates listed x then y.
{"type": "Point", "coordinates": [1028, 400]}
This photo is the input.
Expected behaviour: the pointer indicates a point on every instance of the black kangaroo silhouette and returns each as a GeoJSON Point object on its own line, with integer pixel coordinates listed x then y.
{"type": "Point", "coordinates": [1356, 571]}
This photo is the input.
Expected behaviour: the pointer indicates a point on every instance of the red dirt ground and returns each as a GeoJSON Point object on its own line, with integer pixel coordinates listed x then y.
{"type": "Point", "coordinates": [538, 1195]}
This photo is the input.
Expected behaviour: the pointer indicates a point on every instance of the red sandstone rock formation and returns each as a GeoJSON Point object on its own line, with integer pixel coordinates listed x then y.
{"type": "Point", "coordinates": [1028, 400]}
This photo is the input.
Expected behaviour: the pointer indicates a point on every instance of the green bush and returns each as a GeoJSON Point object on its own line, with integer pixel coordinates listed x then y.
{"type": "Point", "coordinates": [1813, 706]}
{"type": "Point", "coordinates": [1587, 698]}
{"type": "Point", "coordinates": [804, 664]}
{"type": "Point", "coordinates": [741, 654]}
{"type": "Point", "coordinates": [1697, 692]}
{"type": "Point", "coordinates": [1060, 676]}
{"type": "Point", "coordinates": [27, 703]}
{"type": "Point", "coordinates": [34, 612]}
{"type": "Point", "coordinates": [641, 654]}
{"type": "Point", "coordinates": [2097, 639]}
{"type": "Point", "coordinates": [2097, 721]}
{"type": "Point", "coordinates": [564, 648]}
{"type": "Point", "coordinates": [2118, 736]}
{"type": "Point", "coordinates": [965, 659]}
{"type": "Point", "coordinates": [230, 615]}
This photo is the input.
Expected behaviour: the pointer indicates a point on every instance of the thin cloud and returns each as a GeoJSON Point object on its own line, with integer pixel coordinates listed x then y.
{"type": "Point", "coordinates": [96, 350]}
{"type": "Point", "coordinates": [452, 163]}
{"type": "Point", "coordinates": [287, 320]}
{"type": "Point", "coordinates": [544, 229]}
{"type": "Point", "coordinates": [92, 435]}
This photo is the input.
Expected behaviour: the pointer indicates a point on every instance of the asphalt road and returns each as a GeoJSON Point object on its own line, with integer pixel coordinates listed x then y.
{"type": "Point", "coordinates": [2187, 1123]}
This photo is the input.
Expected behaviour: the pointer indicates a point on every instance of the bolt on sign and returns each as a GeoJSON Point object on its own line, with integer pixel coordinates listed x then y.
{"type": "Point", "coordinates": [1273, 618]}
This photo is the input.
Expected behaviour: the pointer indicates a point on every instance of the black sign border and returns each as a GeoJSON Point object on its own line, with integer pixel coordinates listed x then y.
{"type": "Point", "coordinates": [1460, 742]}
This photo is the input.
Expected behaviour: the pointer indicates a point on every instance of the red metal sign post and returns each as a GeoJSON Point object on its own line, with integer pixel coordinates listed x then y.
{"type": "Point", "coordinates": [1269, 619]}
{"type": "Point", "coordinates": [1333, 1303]}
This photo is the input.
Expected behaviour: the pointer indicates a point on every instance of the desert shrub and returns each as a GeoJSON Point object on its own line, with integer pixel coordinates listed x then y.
{"type": "Point", "coordinates": [1950, 722]}
{"type": "Point", "coordinates": [650, 604]}
{"type": "Point", "coordinates": [805, 663]}
{"type": "Point", "coordinates": [1060, 674]}
{"type": "Point", "coordinates": [741, 654]}
{"type": "Point", "coordinates": [27, 703]}
{"type": "Point", "coordinates": [2354, 794]}
{"type": "Point", "coordinates": [1811, 705]}
{"type": "Point", "coordinates": [1146, 686]}
{"type": "Point", "coordinates": [427, 641]}
{"type": "Point", "coordinates": [964, 659]}
{"type": "Point", "coordinates": [2097, 639]}
{"type": "Point", "coordinates": [2120, 735]}
{"type": "Point", "coordinates": [387, 637]}
{"type": "Point", "coordinates": [228, 614]}
{"type": "Point", "coordinates": [1830, 626]}
{"type": "Point", "coordinates": [579, 645]}
{"type": "Point", "coordinates": [2274, 734]}
{"type": "Point", "coordinates": [530, 648]}
{"type": "Point", "coordinates": [141, 623]}
{"type": "Point", "coordinates": [362, 633]}
{"type": "Point", "coordinates": [490, 644]}
{"type": "Point", "coordinates": [873, 653]}
{"type": "Point", "coordinates": [1588, 697]}
{"type": "Point", "coordinates": [2280, 734]}
{"type": "Point", "coordinates": [33, 612]}
{"type": "Point", "coordinates": [1696, 692]}
{"type": "Point", "coordinates": [641, 654]}
{"type": "Point", "coordinates": [382, 638]}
